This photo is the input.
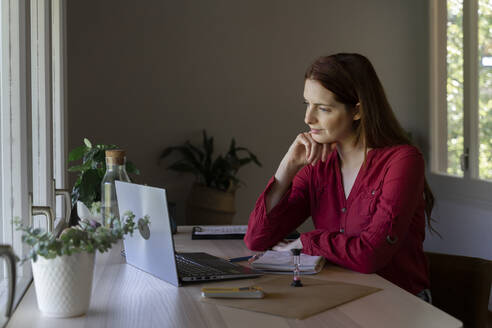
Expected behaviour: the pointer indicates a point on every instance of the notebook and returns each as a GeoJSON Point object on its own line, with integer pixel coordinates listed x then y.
{"type": "Point", "coordinates": [151, 248]}
{"type": "Point", "coordinates": [284, 262]}
{"type": "Point", "coordinates": [227, 232]}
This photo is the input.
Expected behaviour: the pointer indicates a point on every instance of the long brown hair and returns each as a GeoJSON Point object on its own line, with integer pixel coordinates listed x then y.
{"type": "Point", "coordinates": [353, 80]}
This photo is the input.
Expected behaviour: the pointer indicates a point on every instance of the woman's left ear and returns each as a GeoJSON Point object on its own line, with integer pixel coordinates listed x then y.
{"type": "Point", "coordinates": [357, 112]}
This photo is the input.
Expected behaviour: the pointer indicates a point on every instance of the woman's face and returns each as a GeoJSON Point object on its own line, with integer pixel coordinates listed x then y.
{"type": "Point", "coordinates": [329, 120]}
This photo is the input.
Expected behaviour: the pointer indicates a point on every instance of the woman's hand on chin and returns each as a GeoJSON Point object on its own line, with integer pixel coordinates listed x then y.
{"type": "Point", "coordinates": [305, 150]}
{"type": "Point", "coordinates": [285, 246]}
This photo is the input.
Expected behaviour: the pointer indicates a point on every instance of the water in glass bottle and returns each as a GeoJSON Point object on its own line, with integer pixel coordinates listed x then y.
{"type": "Point", "coordinates": [115, 170]}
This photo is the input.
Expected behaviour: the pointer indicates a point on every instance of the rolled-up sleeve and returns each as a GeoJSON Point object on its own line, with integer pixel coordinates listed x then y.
{"type": "Point", "coordinates": [374, 247]}
{"type": "Point", "coordinates": [267, 229]}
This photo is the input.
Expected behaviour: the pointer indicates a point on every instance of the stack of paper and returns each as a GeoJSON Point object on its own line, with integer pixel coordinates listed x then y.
{"type": "Point", "coordinates": [219, 232]}
{"type": "Point", "coordinates": [284, 262]}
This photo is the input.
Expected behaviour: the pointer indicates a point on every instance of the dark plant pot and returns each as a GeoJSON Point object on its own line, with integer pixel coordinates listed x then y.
{"type": "Point", "coordinates": [207, 206]}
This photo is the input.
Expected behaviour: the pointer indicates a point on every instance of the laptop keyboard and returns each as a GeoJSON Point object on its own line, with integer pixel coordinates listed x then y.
{"type": "Point", "coordinates": [187, 268]}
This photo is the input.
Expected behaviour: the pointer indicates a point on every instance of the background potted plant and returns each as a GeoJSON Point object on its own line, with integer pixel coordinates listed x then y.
{"type": "Point", "coordinates": [212, 197]}
{"type": "Point", "coordinates": [86, 192]}
{"type": "Point", "coordinates": [63, 266]}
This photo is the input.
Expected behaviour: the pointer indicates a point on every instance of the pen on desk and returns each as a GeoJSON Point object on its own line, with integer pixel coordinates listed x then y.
{"type": "Point", "coordinates": [240, 259]}
{"type": "Point", "coordinates": [249, 258]}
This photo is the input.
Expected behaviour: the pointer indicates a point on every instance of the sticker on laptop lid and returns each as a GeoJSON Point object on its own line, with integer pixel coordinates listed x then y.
{"type": "Point", "coordinates": [143, 227]}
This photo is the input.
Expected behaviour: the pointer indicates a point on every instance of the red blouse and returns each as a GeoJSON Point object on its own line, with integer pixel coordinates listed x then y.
{"type": "Point", "coordinates": [379, 228]}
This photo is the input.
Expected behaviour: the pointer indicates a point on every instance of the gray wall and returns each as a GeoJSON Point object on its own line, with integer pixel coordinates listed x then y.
{"type": "Point", "coordinates": [147, 77]}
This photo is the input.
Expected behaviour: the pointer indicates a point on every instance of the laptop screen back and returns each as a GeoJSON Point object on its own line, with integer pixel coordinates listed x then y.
{"type": "Point", "coordinates": [154, 255]}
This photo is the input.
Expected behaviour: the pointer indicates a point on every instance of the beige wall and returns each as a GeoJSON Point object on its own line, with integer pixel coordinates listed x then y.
{"type": "Point", "coordinates": [150, 74]}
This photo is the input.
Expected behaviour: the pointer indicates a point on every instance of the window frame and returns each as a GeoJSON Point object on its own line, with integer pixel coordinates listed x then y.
{"type": "Point", "coordinates": [41, 108]}
{"type": "Point", "coordinates": [48, 53]}
{"type": "Point", "coordinates": [469, 188]}
{"type": "Point", "coordinates": [60, 115]}
{"type": "Point", "coordinates": [16, 119]}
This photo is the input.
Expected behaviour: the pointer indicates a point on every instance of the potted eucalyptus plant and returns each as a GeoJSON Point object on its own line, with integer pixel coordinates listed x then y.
{"type": "Point", "coordinates": [212, 197]}
{"type": "Point", "coordinates": [86, 192]}
{"type": "Point", "coordinates": [63, 266]}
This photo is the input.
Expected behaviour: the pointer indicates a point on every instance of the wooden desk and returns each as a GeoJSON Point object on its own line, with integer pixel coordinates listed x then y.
{"type": "Point", "coordinates": [124, 296]}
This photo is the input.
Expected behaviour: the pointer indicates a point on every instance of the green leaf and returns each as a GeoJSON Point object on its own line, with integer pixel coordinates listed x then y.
{"type": "Point", "coordinates": [76, 153]}
{"type": "Point", "coordinates": [167, 151]}
{"type": "Point", "coordinates": [87, 143]}
{"type": "Point", "coordinates": [90, 187]}
{"type": "Point", "coordinates": [200, 153]}
{"type": "Point", "coordinates": [232, 147]}
{"type": "Point", "coordinates": [244, 161]}
{"type": "Point", "coordinates": [255, 159]}
{"type": "Point", "coordinates": [208, 145]}
{"type": "Point", "coordinates": [131, 168]}
{"type": "Point", "coordinates": [251, 155]}
{"type": "Point", "coordinates": [182, 167]}
{"type": "Point", "coordinates": [79, 168]}
{"type": "Point", "coordinates": [99, 158]}
{"type": "Point", "coordinates": [89, 155]}
{"type": "Point", "coordinates": [107, 147]}
{"type": "Point", "coordinates": [190, 156]}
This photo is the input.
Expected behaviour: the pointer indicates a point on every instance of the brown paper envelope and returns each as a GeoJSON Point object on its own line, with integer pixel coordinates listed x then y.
{"type": "Point", "coordinates": [294, 302]}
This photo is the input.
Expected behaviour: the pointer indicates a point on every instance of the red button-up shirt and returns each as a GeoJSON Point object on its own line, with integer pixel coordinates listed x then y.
{"type": "Point", "coordinates": [379, 228]}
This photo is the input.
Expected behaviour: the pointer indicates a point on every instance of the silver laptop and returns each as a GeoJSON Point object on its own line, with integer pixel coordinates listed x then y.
{"type": "Point", "coordinates": [151, 248]}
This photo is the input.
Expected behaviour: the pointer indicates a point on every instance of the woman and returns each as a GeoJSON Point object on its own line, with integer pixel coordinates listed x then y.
{"type": "Point", "coordinates": [357, 174]}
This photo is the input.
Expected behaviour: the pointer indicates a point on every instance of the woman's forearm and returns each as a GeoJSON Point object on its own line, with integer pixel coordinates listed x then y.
{"type": "Point", "coordinates": [283, 178]}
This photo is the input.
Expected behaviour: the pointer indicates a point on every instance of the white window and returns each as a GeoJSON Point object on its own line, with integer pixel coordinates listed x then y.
{"type": "Point", "coordinates": [32, 120]}
{"type": "Point", "coordinates": [16, 173]}
{"type": "Point", "coordinates": [461, 98]}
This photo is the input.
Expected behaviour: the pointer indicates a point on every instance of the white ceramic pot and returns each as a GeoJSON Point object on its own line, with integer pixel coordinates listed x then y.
{"type": "Point", "coordinates": [64, 284]}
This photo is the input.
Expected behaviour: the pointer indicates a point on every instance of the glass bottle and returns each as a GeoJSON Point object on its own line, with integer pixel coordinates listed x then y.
{"type": "Point", "coordinates": [115, 170]}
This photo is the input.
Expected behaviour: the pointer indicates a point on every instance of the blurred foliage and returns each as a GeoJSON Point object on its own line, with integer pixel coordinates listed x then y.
{"type": "Point", "coordinates": [485, 87]}
{"type": "Point", "coordinates": [454, 87]}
